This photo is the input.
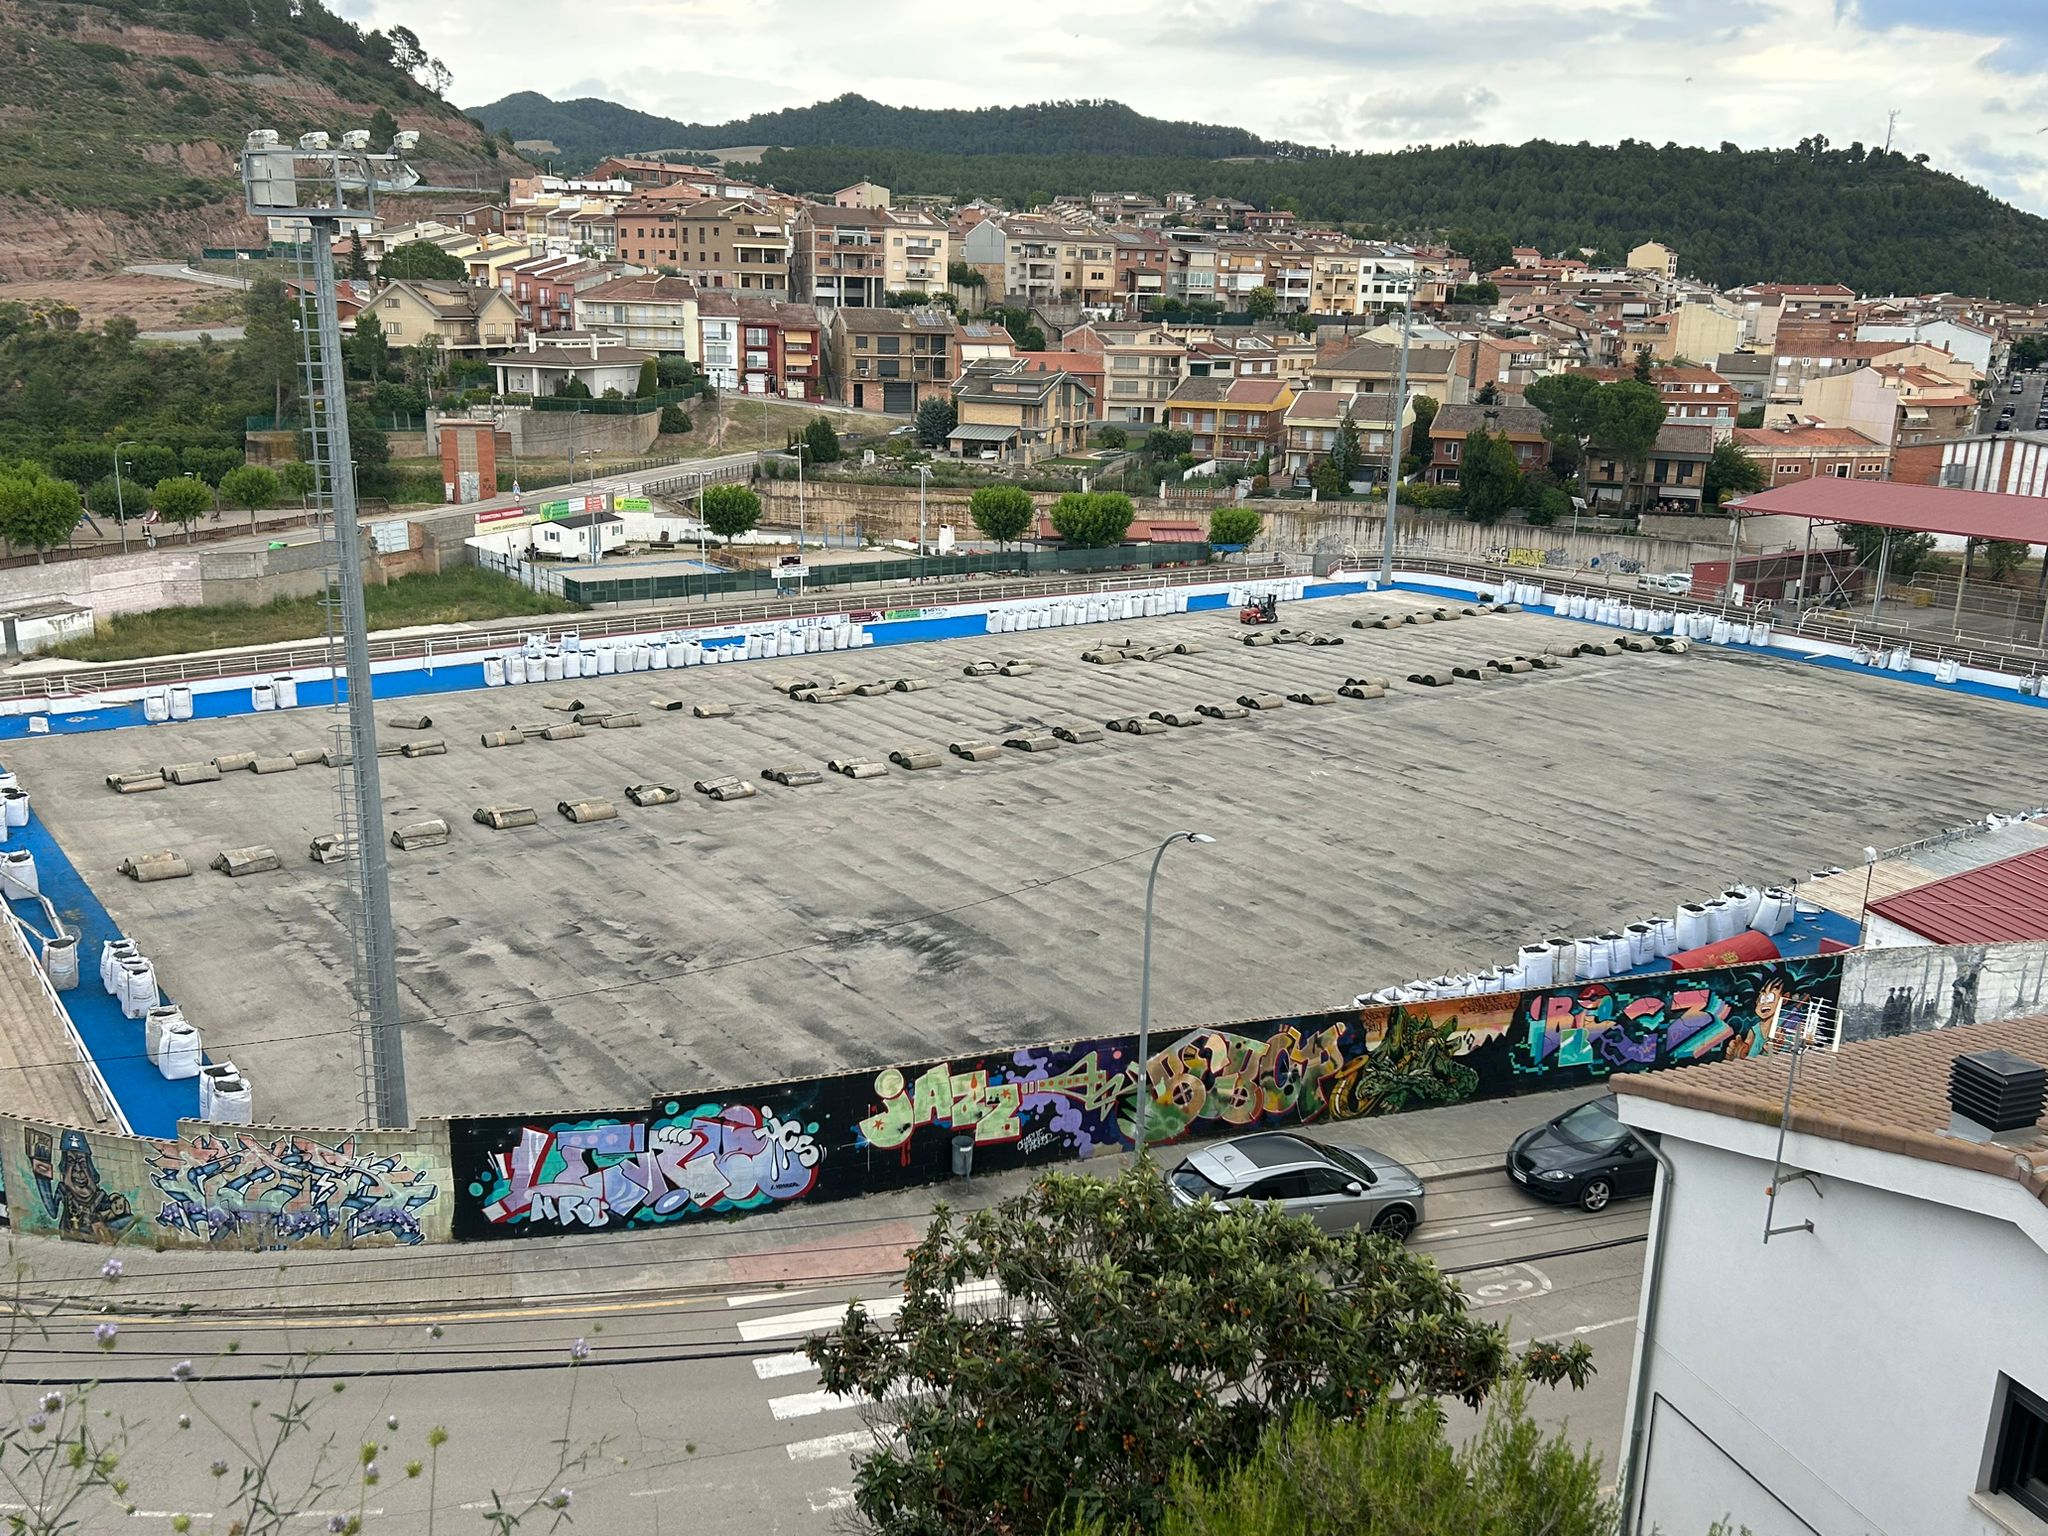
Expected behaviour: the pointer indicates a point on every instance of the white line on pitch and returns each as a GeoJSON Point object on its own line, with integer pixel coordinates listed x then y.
{"type": "Point", "coordinates": [763, 1298]}
{"type": "Point", "coordinates": [1512, 1221]}
{"type": "Point", "coordinates": [768, 1367]}
{"type": "Point", "coordinates": [831, 1445]}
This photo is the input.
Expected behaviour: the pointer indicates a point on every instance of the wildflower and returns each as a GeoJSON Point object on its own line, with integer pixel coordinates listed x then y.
{"type": "Point", "coordinates": [104, 1334]}
{"type": "Point", "coordinates": [370, 1473]}
{"type": "Point", "coordinates": [580, 1350]}
{"type": "Point", "coordinates": [37, 1423]}
{"type": "Point", "coordinates": [219, 1468]}
{"type": "Point", "coordinates": [182, 1371]}
{"type": "Point", "coordinates": [111, 1270]}
{"type": "Point", "coordinates": [562, 1499]}
{"type": "Point", "coordinates": [53, 1402]}
{"type": "Point", "coordinates": [184, 1421]}
{"type": "Point", "coordinates": [336, 1524]}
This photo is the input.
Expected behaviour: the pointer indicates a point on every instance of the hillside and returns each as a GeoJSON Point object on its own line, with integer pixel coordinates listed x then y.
{"type": "Point", "coordinates": [587, 129]}
{"type": "Point", "coordinates": [1880, 223]}
{"type": "Point", "coordinates": [120, 121]}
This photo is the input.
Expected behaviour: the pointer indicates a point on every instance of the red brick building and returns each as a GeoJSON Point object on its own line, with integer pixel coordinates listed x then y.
{"type": "Point", "coordinates": [1790, 453]}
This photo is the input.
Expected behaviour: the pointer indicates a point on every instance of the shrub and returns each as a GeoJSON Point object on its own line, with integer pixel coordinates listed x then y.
{"type": "Point", "coordinates": [1092, 519]}
{"type": "Point", "coordinates": [1234, 525]}
{"type": "Point", "coordinates": [731, 510]}
{"type": "Point", "coordinates": [1001, 512]}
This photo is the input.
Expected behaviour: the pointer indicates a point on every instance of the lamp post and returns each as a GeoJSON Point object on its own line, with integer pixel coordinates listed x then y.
{"type": "Point", "coordinates": [801, 450]}
{"type": "Point", "coordinates": [1394, 434]}
{"type": "Point", "coordinates": [120, 505]}
{"type": "Point", "coordinates": [924, 477]}
{"type": "Point", "coordinates": [1141, 1091]}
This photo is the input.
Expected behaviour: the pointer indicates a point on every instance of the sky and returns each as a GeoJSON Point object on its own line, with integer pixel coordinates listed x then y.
{"type": "Point", "coordinates": [1969, 79]}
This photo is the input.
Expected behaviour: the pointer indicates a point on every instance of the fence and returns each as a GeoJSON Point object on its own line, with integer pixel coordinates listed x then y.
{"type": "Point", "coordinates": [639, 405]}
{"type": "Point", "coordinates": [589, 589]}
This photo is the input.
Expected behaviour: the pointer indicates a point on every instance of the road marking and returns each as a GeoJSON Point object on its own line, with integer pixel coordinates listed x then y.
{"type": "Point", "coordinates": [648, 1493]}
{"type": "Point", "coordinates": [1575, 1333]}
{"type": "Point", "coordinates": [151, 1514]}
{"type": "Point", "coordinates": [783, 1325]}
{"type": "Point", "coordinates": [834, 1499]}
{"type": "Point", "coordinates": [768, 1367]}
{"type": "Point", "coordinates": [1512, 1221]}
{"type": "Point", "coordinates": [1447, 1232]}
{"type": "Point", "coordinates": [763, 1298]}
{"type": "Point", "coordinates": [803, 1405]}
{"type": "Point", "coordinates": [828, 1446]}
{"type": "Point", "coordinates": [1516, 1282]}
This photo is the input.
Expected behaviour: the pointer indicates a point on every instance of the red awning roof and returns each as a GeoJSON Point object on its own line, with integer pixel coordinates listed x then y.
{"type": "Point", "coordinates": [1920, 508]}
{"type": "Point", "coordinates": [1999, 903]}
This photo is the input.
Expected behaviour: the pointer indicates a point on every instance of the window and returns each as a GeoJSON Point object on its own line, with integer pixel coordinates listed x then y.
{"type": "Point", "coordinates": [1451, 449]}
{"type": "Point", "coordinates": [391, 303]}
{"type": "Point", "coordinates": [1840, 471]}
{"type": "Point", "coordinates": [2020, 1468]}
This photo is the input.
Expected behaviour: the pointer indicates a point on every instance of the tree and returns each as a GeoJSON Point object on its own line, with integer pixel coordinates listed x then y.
{"type": "Point", "coordinates": [821, 441]}
{"type": "Point", "coordinates": [1488, 476]}
{"type": "Point", "coordinates": [1347, 453]}
{"type": "Point", "coordinates": [81, 463]}
{"type": "Point", "coordinates": [1627, 416]}
{"type": "Point", "coordinates": [1731, 472]}
{"type": "Point", "coordinates": [422, 259]}
{"type": "Point", "coordinates": [1750, 416]}
{"type": "Point", "coordinates": [1327, 478]}
{"type": "Point", "coordinates": [1092, 519]}
{"type": "Point", "coordinates": [369, 354]}
{"type": "Point", "coordinates": [297, 477]}
{"type": "Point", "coordinates": [1489, 394]}
{"type": "Point", "coordinates": [1001, 512]}
{"type": "Point", "coordinates": [183, 501]}
{"type": "Point", "coordinates": [1031, 339]}
{"type": "Point", "coordinates": [1909, 551]}
{"type": "Point", "coordinates": [731, 510]}
{"type": "Point", "coordinates": [1168, 442]}
{"type": "Point", "coordinates": [1262, 303]}
{"type": "Point", "coordinates": [1551, 505]}
{"type": "Point", "coordinates": [270, 338]}
{"type": "Point", "coordinates": [1426, 407]}
{"type": "Point", "coordinates": [936, 419]}
{"type": "Point", "coordinates": [650, 379]}
{"type": "Point", "coordinates": [356, 268]}
{"type": "Point", "coordinates": [961, 275]}
{"type": "Point", "coordinates": [1487, 253]}
{"type": "Point", "coordinates": [1567, 401]}
{"type": "Point", "coordinates": [383, 129]}
{"type": "Point", "coordinates": [2029, 352]}
{"type": "Point", "coordinates": [1235, 526]}
{"type": "Point", "coordinates": [1641, 372]}
{"type": "Point", "coordinates": [674, 371]}
{"type": "Point", "coordinates": [1395, 1469]}
{"type": "Point", "coordinates": [2003, 556]}
{"type": "Point", "coordinates": [673, 421]}
{"type": "Point", "coordinates": [149, 463]}
{"type": "Point", "coordinates": [250, 487]}
{"type": "Point", "coordinates": [36, 511]}
{"type": "Point", "coordinates": [1136, 1338]}
{"type": "Point", "coordinates": [1113, 437]}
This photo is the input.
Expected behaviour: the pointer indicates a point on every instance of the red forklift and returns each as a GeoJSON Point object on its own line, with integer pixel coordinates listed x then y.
{"type": "Point", "coordinates": [1262, 610]}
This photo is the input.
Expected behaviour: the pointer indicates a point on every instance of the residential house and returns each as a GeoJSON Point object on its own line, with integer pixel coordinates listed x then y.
{"type": "Point", "coordinates": [1221, 213]}
{"type": "Point", "coordinates": [1367, 368]}
{"type": "Point", "coordinates": [1978, 345]}
{"type": "Point", "coordinates": [1657, 259]}
{"type": "Point", "coordinates": [1269, 221]}
{"type": "Point", "coordinates": [547, 368]}
{"type": "Point", "coordinates": [755, 345]}
{"type": "Point", "coordinates": [1313, 421]}
{"type": "Point", "coordinates": [1233, 421]}
{"type": "Point", "coordinates": [1192, 275]}
{"type": "Point", "coordinates": [474, 218]}
{"type": "Point", "coordinates": [892, 359]}
{"type": "Point", "coordinates": [981, 341]}
{"type": "Point", "coordinates": [1509, 363]}
{"type": "Point", "coordinates": [1749, 373]}
{"type": "Point", "coordinates": [1522, 425]}
{"type": "Point", "coordinates": [919, 251]}
{"type": "Point", "coordinates": [653, 313]}
{"type": "Point", "coordinates": [1140, 260]}
{"type": "Point", "coordinates": [1084, 368]}
{"type": "Point", "coordinates": [641, 172]}
{"type": "Point", "coordinates": [1897, 404]}
{"type": "Point", "coordinates": [1900, 1184]}
{"type": "Point", "coordinates": [1019, 413]}
{"type": "Point", "coordinates": [1764, 306]}
{"type": "Point", "coordinates": [1693, 397]}
{"type": "Point", "coordinates": [1796, 363]}
{"type": "Point", "coordinates": [456, 317]}
{"type": "Point", "coordinates": [1672, 478]}
{"type": "Point", "coordinates": [714, 242]}
{"type": "Point", "coordinates": [545, 287]}
{"type": "Point", "coordinates": [1141, 365]}
{"type": "Point", "coordinates": [1527, 256]}
{"type": "Point", "coordinates": [1787, 452]}
{"type": "Point", "coordinates": [862, 194]}
{"type": "Point", "coordinates": [1700, 331]}
{"type": "Point", "coordinates": [1042, 260]}
{"type": "Point", "coordinates": [842, 257]}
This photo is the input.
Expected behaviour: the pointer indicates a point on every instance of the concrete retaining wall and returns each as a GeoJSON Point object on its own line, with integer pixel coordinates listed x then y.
{"type": "Point", "coordinates": [1309, 529]}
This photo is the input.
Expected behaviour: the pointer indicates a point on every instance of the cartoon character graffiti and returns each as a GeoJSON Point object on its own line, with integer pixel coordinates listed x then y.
{"type": "Point", "coordinates": [70, 1189]}
{"type": "Point", "coordinates": [271, 1194]}
{"type": "Point", "coordinates": [1617, 1028]}
{"type": "Point", "coordinates": [650, 1170]}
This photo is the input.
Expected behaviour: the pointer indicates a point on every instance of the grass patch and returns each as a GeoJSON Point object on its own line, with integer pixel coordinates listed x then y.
{"type": "Point", "coordinates": [452, 597]}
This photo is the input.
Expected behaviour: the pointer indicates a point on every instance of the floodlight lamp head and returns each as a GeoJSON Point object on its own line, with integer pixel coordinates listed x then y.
{"type": "Point", "coordinates": [261, 138]}
{"type": "Point", "coordinates": [405, 141]}
{"type": "Point", "coordinates": [357, 139]}
{"type": "Point", "coordinates": [314, 141]}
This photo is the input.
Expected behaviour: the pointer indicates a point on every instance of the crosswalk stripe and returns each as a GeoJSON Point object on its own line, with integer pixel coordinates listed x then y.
{"type": "Point", "coordinates": [828, 1446]}
{"type": "Point", "coordinates": [763, 1298]}
{"type": "Point", "coordinates": [768, 1367]}
{"type": "Point", "coordinates": [830, 1500]}
{"type": "Point", "coordinates": [802, 1405]}
{"type": "Point", "coordinates": [783, 1325]}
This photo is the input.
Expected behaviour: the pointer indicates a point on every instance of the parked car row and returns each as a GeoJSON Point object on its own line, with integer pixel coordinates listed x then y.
{"type": "Point", "coordinates": [1584, 1157]}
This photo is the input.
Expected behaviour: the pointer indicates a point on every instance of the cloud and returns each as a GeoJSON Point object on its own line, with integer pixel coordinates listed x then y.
{"type": "Point", "coordinates": [2018, 27]}
{"type": "Point", "coordinates": [1443, 112]}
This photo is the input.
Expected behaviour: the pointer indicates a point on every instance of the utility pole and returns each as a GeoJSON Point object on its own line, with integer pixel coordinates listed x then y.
{"type": "Point", "coordinates": [1394, 448]}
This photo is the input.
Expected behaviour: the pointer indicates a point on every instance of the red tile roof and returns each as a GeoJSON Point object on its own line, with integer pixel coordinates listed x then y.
{"type": "Point", "coordinates": [1894, 504]}
{"type": "Point", "coordinates": [1994, 904]}
{"type": "Point", "coordinates": [1804, 437]}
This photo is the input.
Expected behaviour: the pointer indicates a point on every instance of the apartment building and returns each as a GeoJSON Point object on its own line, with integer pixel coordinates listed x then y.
{"type": "Point", "coordinates": [920, 249]}
{"type": "Point", "coordinates": [1315, 417]}
{"type": "Point", "coordinates": [1041, 260]}
{"type": "Point", "coordinates": [759, 346]}
{"type": "Point", "coordinates": [1522, 425]}
{"type": "Point", "coordinates": [1673, 477]}
{"type": "Point", "coordinates": [891, 359]}
{"type": "Point", "coordinates": [842, 256]}
{"type": "Point", "coordinates": [1789, 452]}
{"type": "Point", "coordinates": [714, 242]}
{"type": "Point", "coordinates": [1368, 368]}
{"type": "Point", "coordinates": [1141, 365]}
{"type": "Point", "coordinates": [652, 313]}
{"type": "Point", "coordinates": [544, 289]}
{"type": "Point", "coordinates": [1140, 263]}
{"type": "Point", "coordinates": [1018, 412]}
{"type": "Point", "coordinates": [1233, 421]}
{"type": "Point", "coordinates": [1693, 397]}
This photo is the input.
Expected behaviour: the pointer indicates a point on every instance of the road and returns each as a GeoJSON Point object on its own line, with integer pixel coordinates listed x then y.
{"type": "Point", "coordinates": [691, 1402]}
{"type": "Point", "coordinates": [184, 273]}
{"type": "Point", "coordinates": [2027, 405]}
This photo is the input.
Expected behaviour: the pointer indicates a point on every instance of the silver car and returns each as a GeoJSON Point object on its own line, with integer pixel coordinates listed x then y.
{"type": "Point", "coordinates": [1337, 1188]}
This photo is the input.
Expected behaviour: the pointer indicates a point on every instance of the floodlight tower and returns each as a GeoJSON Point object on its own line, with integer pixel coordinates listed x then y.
{"type": "Point", "coordinates": [323, 186]}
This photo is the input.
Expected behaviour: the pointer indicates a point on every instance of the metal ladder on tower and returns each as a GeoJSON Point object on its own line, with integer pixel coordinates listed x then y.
{"type": "Point", "coordinates": [336, 569]}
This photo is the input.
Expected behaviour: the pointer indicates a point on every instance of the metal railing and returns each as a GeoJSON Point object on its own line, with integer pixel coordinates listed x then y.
{"type": "Point", "coordinates": [77, 688]}
{"type": "Point", "coordinates": [99, 1097]}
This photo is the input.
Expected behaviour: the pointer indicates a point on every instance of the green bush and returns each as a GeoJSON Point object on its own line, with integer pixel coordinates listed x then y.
{"type": "Point", "coordinates": [731, 510]}
{"type": "Point", "coordinates": [1092, 519]}
{"type": "Point", "coordinates": [1235, 525]}
{"type": "Point", "coordinates": [1001, 512]}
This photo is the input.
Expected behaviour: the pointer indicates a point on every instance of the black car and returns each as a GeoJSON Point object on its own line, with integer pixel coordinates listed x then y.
{"type": "Point", "coordinates": [1586, 1155]}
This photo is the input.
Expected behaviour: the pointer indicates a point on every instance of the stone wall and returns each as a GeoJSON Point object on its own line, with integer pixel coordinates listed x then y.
{"type": "Point", "coordinates": [1307, 528]}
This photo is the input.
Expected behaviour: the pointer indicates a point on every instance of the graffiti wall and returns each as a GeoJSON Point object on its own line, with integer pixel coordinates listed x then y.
{"type": "Point", "coordinates": [229, 1188]}
{"type": "Point", "coordinates": [688, 1157]}
{"type": "Point", "coordinates": [1903, 988]}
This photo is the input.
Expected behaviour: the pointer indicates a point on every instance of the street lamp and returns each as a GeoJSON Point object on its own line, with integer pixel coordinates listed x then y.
{"type": "Point", "coordinates": [924, 477]}
{"type": "Point", "coordinates": [1394, 435]}
{"type": "Point", "coordinates": [1141, 1091]}
{"type": "Point", "coordinates": [120, 505]}
{"type": "Point", "coordinates": [801, 450]}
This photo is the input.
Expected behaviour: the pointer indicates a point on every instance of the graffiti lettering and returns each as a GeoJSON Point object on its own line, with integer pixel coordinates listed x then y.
{"type": "Point", "coordinates": [971, 1101]}
{"type": "Point", "coordinates": [288, 1191]}
{"type": "Point", "coordinates": [641, 1171]}
{"type": "Point", "coordinates": [1611, 1029]}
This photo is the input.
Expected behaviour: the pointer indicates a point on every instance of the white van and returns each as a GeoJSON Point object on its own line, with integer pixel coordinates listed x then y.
{"type": "Point", "coordinates": [1678, 583]}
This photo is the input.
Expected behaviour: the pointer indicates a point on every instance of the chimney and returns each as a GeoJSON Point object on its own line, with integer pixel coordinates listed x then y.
{"type": "Point", "coordinates": [1994, 1093]}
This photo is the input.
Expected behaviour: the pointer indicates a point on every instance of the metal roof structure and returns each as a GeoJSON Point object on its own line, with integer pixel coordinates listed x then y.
{"type": "Point", "coordinates": [1997, 903]}
{"type": "Point", "coordinates": [1921, 508]}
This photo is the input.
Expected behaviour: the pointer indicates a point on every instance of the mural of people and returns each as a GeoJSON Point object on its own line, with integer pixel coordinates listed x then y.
{"type": "Point", "coordinates": [1962, 996]}
{"type": "Point", "coordinates": [71, 1192]}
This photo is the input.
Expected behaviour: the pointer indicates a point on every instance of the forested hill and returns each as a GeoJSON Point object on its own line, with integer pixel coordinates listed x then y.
{"type": "Point", "coordinates": [1880, 223]}
{"type": "Point", "coordinates": [587, 129]}
{"type": "Point", "coordinates": [120, 120]}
